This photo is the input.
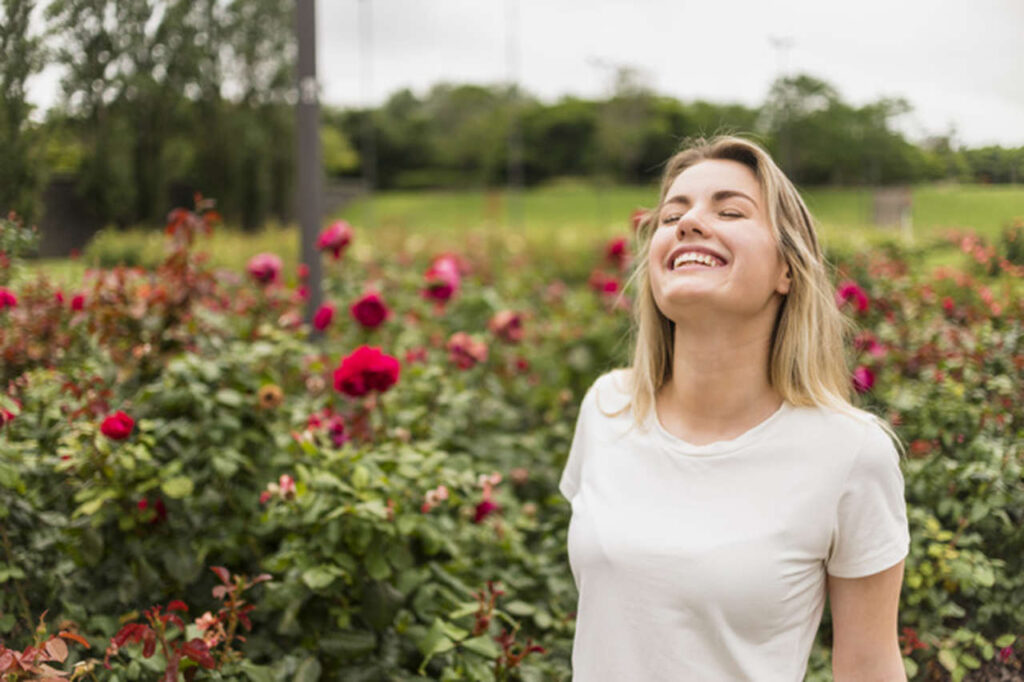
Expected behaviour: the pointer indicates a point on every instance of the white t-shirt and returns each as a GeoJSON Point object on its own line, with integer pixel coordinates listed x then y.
{"type": "Point", "coordinates": [707, 562]}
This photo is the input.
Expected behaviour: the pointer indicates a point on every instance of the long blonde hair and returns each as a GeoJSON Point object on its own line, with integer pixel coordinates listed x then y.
{"type": "Point", "coordinates": [808, 364]}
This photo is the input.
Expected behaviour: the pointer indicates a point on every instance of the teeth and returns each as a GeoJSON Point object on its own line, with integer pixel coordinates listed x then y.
{"type": "Point", "coordinates": [694, 257]}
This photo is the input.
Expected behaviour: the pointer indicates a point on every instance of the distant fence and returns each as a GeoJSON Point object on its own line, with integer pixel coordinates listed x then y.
{"type": "Point", "coordinates": [66, 224]}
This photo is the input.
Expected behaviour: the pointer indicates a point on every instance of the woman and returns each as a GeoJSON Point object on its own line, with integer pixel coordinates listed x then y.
{"type": "Point", "coordinates": [703, 542]}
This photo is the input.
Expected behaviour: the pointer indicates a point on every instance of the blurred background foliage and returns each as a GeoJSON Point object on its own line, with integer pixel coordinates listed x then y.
{"type": "Point", "coordinates": [163, 97]}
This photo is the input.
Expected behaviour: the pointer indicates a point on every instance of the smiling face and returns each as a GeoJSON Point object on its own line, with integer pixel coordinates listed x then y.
{"type": "Point", "coordinates": [715, 205]}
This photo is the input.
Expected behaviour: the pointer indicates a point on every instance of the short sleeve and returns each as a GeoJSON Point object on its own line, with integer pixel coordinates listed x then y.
{"type": "Point", "coordinates": [870, 532]}
{"type": "Point", "coordinates": [569, 483]}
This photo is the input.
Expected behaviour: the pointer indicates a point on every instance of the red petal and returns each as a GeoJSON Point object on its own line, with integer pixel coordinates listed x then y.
{"type": "Point", "coordinates": [177, 605]}
{"type": "Point", "coordinates": [77, 638]}
{"type": "Point", "coordinates": [56, 649]}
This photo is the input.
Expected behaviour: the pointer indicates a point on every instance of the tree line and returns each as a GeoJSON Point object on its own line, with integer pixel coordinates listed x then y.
{"type": "Point", "coordinates": [160, 97]}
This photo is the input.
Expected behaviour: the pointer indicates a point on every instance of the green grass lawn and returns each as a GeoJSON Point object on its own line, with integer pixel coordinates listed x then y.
{"type": "Point", "coordinates": [557, 221]}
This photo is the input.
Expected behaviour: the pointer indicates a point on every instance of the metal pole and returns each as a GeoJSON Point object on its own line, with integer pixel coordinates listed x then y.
{"type": "Point", "coordinates": [310, 168]}
{"type": "Point", "coordinates": [515, 138]}
{"type": "Point", "coordinates": [369, 160]}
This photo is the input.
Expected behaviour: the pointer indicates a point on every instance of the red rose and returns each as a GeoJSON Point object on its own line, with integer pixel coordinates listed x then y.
{"type": "Point", "coordinates": [617, 252]}
{"type": "Point", "coordinates": [7, 298]}
{"type": "Point", "coordinates": [264, 268]}
{"type": "Point", "coordinates": [117, 426]}
{"type": "Point", "coordinates": [365, 370]}
{"type": "Point", "coordinates": [507, 325]}
{"type": "Point", "coordinates": [78, 302]}
{"type": "Point", "coordinates": [335, 238]}
{"type": "Point", "coordinates": [323, 316]}
{"type": "Point", "coordinates": [370, 311]}
{"type": "Point", "coordinates": [848, 290]}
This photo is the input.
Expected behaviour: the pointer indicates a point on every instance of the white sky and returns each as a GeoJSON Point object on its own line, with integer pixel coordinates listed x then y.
{"type": "Point", "coordinates": [960, 63]}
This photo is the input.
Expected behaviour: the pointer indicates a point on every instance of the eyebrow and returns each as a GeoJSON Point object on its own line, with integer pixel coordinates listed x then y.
{"type": "Point", "coordinates": [720, 195]}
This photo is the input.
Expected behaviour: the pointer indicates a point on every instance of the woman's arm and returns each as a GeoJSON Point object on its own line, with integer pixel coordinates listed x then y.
{"type": "Point", "coordinates": [865, 644]}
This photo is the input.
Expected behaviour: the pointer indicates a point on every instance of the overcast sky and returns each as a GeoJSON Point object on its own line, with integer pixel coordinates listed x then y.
{"type": "Point", "coordinates": [959, 63]}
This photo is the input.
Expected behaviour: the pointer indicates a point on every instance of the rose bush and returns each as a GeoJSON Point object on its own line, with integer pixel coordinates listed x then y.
{"type": "Point", "coordinates": [398, 481]}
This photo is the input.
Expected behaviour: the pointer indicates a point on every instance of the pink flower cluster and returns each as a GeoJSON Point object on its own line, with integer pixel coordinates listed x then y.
{"type": "Point", "coordinates": [284, 489]}
{"type": "Point", "coordinates": [432, 498]}
{"type": "Point", "coordinates": [465, 351]}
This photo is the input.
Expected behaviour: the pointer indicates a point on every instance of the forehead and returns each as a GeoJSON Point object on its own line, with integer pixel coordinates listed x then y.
{"type": "Point", "coordinates": [709, 176]}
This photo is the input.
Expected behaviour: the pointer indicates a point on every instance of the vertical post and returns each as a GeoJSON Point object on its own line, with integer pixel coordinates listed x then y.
{"type": "Point", "coordinates": [515, 141]}
{"type": "Point", "coordinates": [514, 169]}
{"type": "Point", "coordinates": [309, 163]}
{"type": "Point", "coordinates": [369, 160]}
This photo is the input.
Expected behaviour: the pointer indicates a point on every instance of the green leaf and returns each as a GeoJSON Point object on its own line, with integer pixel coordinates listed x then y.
{"type": "Point", "coordinates": [319, 577]}
{"type": "Point", "coordinates": [948, 660]}
{"type": "Point", "coordinates": [1006, 640]}
{"type": "Point", "coordinates": [177, 487]}
{"type": "Point", "coordinates": [483, 645]}
{"type": "Point", "coordinates": [229, 397]}
{"type": "Point", "coordinates": [985, 576]}
{"type": "Point", "coordinates": [257, 673]}
{"type": "Point", "coordinates": [348, 644]}
{"type": "Point", "coordinates": [360, 477]}
{"type": "Point", "coordinates": [466, 608]}
{"type": "Point", "coordinates": [970, 661]}
{"type": "Point", "coordinates": [376, 566]}
{"type": "Point", "coordinates": [308, 671]}
{"type": "Point", "coordinates": [520, 608]}
{"type": "Point", "coordinates": [434, 642]}
{"type": "Point", "coordinates": [9, 477]}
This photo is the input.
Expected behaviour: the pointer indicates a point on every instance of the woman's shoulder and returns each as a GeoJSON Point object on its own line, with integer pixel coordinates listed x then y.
{"type": "Point", "coordinates": [846, 423]}
{"type": "Point", "coordinates": [612, 390]}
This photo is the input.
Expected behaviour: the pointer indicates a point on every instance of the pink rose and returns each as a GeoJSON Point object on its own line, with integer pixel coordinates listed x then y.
{"type": "Point", "coordinates": [264, 268]}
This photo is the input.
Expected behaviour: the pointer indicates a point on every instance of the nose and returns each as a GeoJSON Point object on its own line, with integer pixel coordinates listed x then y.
{"type": "Point", "coordinates": [689, 221]}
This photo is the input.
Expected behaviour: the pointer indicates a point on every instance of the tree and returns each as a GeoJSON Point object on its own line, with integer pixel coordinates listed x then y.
{"type": "Point", "coordinates": [21, 55]}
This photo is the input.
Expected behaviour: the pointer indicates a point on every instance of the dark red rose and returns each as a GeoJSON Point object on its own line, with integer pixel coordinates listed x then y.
{"type": "Point", "coordinates": [117, 426]}
{"type": "Point", "coordinates": [370, 311]}
{"type": "Point", "coordinates": [323, 316]}
{"type": "Point", "coordinates": [484, 509]}
{"type": "Point", "coordinates": [365, 370]}
{"type": "Point", "coordinates": [78, 302]}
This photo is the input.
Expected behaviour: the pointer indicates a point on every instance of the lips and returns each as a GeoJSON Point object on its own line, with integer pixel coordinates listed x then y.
{"type": "Point", "coordinates": [679, 250]}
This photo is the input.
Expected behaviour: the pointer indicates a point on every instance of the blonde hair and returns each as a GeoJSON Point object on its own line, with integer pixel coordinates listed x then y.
{"type": "Point", "coordinates": [807, 361]}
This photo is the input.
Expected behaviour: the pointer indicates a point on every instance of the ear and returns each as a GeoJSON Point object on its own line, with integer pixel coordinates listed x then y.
{"type": "Point", "coordinates": [785, 281]}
